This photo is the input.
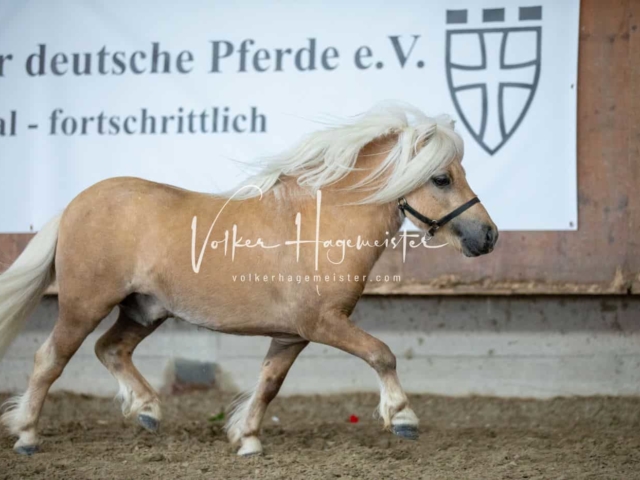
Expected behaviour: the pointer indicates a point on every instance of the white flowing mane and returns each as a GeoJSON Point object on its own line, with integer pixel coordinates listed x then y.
{"type": "Point", "coordinates": [425, 145]}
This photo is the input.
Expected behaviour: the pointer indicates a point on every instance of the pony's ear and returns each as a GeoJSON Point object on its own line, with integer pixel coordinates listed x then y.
{"type": "Point", "coordinates": [446, 121]}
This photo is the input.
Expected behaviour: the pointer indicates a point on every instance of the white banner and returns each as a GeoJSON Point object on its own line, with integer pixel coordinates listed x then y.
{"type": "Point", "coordinates": [178, 91]}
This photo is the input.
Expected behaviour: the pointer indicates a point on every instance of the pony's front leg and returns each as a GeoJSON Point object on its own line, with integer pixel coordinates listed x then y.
{"type": "Point", "coordinates": [244, 422]}
{"type": "Point", "coordinates": [337, 330]}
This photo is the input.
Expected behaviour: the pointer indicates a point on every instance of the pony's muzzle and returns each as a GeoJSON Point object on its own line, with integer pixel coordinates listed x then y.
{"type": "Point", "coordinates": [479, 240]}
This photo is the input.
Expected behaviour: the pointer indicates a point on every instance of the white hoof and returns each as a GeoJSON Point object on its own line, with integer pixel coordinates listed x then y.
{"type": "Point", "coordinates": [250, 446]}
{"type": "Point", "coordinates": [405, 417]}
{"type": "Point", "coordinates": [405, 424]}
{"type": "Point", "coordinates": [27, 444]}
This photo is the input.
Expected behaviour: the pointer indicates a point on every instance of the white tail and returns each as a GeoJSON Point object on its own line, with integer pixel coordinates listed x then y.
{"type": "Point", "coordinates": [22, 286]}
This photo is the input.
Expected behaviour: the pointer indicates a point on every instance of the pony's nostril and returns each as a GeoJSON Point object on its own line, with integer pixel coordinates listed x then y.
{"type": "Point", "coordinates": [491, 235]}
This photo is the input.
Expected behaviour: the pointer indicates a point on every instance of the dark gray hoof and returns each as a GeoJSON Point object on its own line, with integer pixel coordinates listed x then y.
{"type": "Point", "coordinates": [148, 423]}
{"type": "Point", "coordinates": [27, 449]}
{"type": "Point", "coordinates": [409, 432]}
{"type": "Point", "coordinates": [250, 454]}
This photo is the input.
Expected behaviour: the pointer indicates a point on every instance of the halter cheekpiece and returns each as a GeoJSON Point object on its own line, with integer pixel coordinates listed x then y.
{"type": "Point", "coordinates": [435, 224]}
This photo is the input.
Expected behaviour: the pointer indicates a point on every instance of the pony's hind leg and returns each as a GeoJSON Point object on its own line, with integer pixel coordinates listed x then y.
{"type": "Point", "coordinates": [115, 349]}
{"type": "Point", "coordinates": [337, 330]}
{"type": "Point", "coordinates": [244, 423]}
{"type": "Point", "coordinates": [73, 325]}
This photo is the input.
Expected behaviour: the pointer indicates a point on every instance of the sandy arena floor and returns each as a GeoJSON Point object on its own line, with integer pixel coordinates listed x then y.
{"type": "Point", "coordinates": [476, 438]}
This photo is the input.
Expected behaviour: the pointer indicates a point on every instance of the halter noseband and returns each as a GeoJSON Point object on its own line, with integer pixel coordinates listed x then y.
{"type": "Point", "coordinates": [435, 224]}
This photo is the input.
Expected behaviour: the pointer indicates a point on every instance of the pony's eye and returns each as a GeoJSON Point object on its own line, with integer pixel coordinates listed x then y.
{"type": "Point", "coordinates": [442, 181]}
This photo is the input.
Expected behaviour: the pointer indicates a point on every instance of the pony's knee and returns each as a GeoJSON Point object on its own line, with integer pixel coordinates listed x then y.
{"type": "Point", "coordinates": [48, 362]}
{"type": "Point", "coordinates": [382, 359]}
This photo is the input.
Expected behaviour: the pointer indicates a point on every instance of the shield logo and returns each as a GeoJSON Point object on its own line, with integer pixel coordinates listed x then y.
{"type": "Point", "coordinates": [493, 74]}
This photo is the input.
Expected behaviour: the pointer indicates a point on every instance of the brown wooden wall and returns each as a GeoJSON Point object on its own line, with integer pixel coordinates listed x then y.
{"type": "Point", "coordinates": [603, 256]}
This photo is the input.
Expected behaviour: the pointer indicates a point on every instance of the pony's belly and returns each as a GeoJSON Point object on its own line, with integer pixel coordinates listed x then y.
{"type": "Point", "coordinates": [242, 318]}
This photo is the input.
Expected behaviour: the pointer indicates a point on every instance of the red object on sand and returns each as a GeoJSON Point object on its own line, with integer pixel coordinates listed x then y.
{"type": "Point", "coordinates": [353, 419]}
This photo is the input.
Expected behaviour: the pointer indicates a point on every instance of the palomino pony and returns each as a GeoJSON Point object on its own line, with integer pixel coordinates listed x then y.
{"type": "Point", "coordinates": [323, 212]}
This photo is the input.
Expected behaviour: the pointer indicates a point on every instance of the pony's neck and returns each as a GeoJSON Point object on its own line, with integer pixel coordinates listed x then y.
{"type": "Point", "coordinates": [341, 212]}
{"type": "Point", "coordinates": [369, 158]}
{"type": "Point", "coordinates": [375, 221]}
{"type": "Point", "coordinates": [343, 191]}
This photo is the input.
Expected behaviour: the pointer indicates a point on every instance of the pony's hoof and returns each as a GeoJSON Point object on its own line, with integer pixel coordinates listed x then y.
{"type": "Point", "coordinates": [251, 447]}
{"type": "Point", "coordinates": [249, 454]}
{"type": "Point", "coordinates": [409, 432]}
{"type": "Point", "coordinates": [148, 423]}
{"type": "Point", "coordinates": [27, 450]}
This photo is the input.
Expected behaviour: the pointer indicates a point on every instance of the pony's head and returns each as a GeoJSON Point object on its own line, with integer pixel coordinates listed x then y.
{"type": "Point", "coordinates": [472, 232]}
{"type": "Point", "coordinates": [440, 190]}
{"type": "Point", "coordinates": [391, 152]}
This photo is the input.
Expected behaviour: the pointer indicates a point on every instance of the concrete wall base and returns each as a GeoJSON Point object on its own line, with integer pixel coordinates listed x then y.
{"type": "Point", "coordinates": [504, 346]}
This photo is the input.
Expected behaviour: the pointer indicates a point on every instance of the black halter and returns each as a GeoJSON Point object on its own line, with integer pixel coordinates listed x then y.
{"type": "Point", "coordinates": [435, 224]}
